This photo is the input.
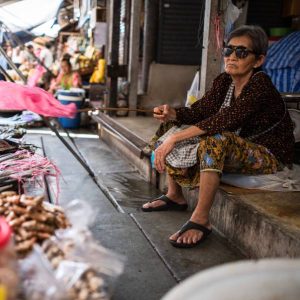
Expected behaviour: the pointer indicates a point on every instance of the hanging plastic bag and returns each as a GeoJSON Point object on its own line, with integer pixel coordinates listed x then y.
{"type": "Point", "coordinates": [231, 15]}
{"type": "Point", "coordinates": [193, 93]}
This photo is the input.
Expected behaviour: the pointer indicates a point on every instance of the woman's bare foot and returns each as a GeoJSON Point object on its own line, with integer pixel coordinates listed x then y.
{"type": "Point", "coordinates": [191, 236]}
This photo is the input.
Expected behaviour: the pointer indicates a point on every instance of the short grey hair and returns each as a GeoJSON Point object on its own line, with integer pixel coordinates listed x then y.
{"type": "Point", "coordinates": [257, 35]}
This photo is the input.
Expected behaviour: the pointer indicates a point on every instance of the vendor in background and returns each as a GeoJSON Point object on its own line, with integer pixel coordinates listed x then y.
{"type": "Point", "coordinates": [17, 56]}
{"type": "Point", "coordinates": [29, 56]}
{"type": "Point", "coordinates": [67, 78]}
{"type": "Point", "coordinates": [46, 56]}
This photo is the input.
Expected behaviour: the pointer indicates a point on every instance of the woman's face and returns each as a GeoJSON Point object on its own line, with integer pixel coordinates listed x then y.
{"type": "Point", "coordinates": [239, 67]}
{"type": "Point", "coordinates": [65, 67]}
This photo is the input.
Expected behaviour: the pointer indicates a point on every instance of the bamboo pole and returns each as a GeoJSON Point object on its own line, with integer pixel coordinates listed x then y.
{"type": "Point", "coordinates": [116, 109]}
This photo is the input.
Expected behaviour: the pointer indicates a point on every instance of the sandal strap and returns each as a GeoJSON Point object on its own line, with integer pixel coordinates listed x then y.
{"type": "Point", "coordinates": [162, 198]}
{"type": "Point", "coordinates": [192, 225]}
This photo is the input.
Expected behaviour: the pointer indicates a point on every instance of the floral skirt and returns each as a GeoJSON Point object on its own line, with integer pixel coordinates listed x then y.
{"type": "Point", "coordinates": [224, 152]}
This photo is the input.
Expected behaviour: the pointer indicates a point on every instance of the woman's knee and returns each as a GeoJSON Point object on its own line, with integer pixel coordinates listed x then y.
{"type": "Point", "coordinates": [212, 140]}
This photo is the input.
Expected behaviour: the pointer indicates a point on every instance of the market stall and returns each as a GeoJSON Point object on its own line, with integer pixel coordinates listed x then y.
{"type": "Point", "coordinates": [46, 251]}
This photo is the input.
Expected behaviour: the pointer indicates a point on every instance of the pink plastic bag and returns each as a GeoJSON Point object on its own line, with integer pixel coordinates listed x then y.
{"type": "Point", "coordinates": [14, 96]}
{"type": "Point", "coordinates": [36, 76]}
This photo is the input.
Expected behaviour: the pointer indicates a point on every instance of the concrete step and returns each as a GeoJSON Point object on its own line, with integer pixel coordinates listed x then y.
{"type": "Point", "coordinates": [259, 223]}
{"type": "Point", "coordinates": [128, 144]}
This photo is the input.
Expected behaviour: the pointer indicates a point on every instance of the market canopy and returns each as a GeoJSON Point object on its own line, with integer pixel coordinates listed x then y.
{"type": "Point", "coordinates": [27, 15]}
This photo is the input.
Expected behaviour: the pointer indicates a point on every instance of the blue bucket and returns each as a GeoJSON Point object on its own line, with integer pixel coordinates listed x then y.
{"type": "Point", "coordinates": [75, 96]}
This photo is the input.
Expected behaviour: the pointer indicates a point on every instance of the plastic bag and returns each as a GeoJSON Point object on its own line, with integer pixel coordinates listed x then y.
{"type": "Point", "coordinates": [81, 281]}
{"type": "Point", "coordinates": [38, 278]}
{"type": "Point", "coordinates": [283, 181]}
{"type": "Point", "coordinates": [80, 214]}
{"type": "Point", "coordinates": [232, 14]}
{"type": "Point", "coordinates": [87, 269]}
{"type": "Point", "coordinates": [193, 93]}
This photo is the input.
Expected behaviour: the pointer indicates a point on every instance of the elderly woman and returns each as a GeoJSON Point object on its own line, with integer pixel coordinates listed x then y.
{"type": "Point", "coordinates": [240, 125]}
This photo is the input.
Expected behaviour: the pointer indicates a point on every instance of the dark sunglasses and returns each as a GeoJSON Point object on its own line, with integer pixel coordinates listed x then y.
{"type": "Point", "coordinates": [240, 51]}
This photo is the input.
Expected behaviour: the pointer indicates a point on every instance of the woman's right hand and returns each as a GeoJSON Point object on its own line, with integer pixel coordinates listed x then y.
{"type": "Point", "coordinates": [164, 113]}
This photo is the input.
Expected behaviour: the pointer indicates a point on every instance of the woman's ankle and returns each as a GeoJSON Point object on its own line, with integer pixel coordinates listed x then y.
{"type": "Point", "coordinates": [199, 219]}
{"type": "Point", "coordinates": [178, 198]}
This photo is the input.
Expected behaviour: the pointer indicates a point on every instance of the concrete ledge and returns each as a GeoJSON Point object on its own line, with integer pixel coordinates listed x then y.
{"type": "Point", "coordinates": [248, 221]}
{"type": "Point", "coordinates": [121, 146]}
{"type": "Point", "coordinates": [261, 224]}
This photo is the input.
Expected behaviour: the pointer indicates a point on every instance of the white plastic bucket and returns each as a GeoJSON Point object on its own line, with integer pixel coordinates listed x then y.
{"type": "Point", "coordinates": [266, 279]}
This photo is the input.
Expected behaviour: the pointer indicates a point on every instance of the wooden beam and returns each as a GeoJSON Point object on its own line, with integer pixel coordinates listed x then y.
{"type": "Point", "coordinates": [211, 55]}
{"type": "Point", "coordinates": [113, 49]}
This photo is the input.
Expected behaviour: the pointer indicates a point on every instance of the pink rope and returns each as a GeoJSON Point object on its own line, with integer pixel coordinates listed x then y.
{"type": "Point", "coordinates": [218, 35]}
{"type": "Point", "coordinates": [25, 164]}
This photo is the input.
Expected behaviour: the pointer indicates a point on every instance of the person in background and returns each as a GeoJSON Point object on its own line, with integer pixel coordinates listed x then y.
{"type": "Point", "coordinates": [29, 56]}
{"type": "Point", "coordinates": [46, 56]}
{"type": "Point", "coordinates": [17, 55]}
{"type": "Point", "coordinates": [240, 125]}
{"type": "Point", "coordinates": [46, 59]}
{"type": "Point", "coordinates": [67, 78]}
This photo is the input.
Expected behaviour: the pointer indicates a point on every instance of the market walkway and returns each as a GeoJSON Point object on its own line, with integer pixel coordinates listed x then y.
{"type": "Point", "coordinates": [153, 266]}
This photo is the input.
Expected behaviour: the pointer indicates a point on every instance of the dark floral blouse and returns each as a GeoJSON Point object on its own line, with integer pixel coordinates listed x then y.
{"type": "Point", "coordinates": [255, 112]}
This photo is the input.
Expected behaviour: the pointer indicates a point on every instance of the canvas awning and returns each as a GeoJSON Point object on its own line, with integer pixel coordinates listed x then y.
{"type": "Point", "coordinates": [27, 16]}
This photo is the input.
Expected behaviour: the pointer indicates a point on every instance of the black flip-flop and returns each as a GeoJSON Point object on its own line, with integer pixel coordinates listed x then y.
{"type": "Point", "coordinates": [169, 205]}
{"type": "Point", "coordinates": [188, 226]}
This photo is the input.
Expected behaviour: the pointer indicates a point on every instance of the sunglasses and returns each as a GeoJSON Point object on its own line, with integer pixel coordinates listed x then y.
{"type": "Point", "coordinates": [240, 51]}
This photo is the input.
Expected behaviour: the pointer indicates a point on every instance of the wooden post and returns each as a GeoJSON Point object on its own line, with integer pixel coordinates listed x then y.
{"type": "Point", "coordinates": [113, 50]}
{"type": "Point", "coordinates": [149, 44]}
{"type": "Point", "coordinates": [211, 55]}
{"type": "Point", "coordinates": [134, 45]}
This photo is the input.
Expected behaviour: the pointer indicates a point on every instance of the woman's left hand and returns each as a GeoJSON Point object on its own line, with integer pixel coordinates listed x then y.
{"type": "Point", "coordinates": [161, 152]}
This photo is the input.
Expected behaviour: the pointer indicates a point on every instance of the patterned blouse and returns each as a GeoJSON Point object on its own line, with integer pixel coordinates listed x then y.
{"type": "Point", "coordinates": [258, 113]}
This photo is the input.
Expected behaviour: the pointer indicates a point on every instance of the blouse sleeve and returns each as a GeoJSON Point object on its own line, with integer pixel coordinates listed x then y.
{"type": "Point", "coordinates": [208, 105]}
{"type": "Point", "coordinates": [234, 117]}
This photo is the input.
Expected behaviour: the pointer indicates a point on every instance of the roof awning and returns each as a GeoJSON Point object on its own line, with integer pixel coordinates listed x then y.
{"type": "Point", "coordinates": [27, 15]}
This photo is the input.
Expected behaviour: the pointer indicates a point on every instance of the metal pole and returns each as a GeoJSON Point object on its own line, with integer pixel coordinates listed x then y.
{"type": "Point", "coordinates": [83, 163]}
{"type": "Point", "coordinates": [12, 65]}
{"type": "Point", "coordinates": [6, 74]}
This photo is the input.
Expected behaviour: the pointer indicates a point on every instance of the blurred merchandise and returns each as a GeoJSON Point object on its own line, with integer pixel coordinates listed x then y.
{"type": "Point", "coordinates": [9, 279]}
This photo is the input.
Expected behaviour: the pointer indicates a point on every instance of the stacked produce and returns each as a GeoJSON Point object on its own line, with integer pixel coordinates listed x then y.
{"type": "Point", "coordinates": [31, 219]}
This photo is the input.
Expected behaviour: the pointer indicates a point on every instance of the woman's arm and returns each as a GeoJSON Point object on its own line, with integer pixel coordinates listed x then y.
{"type": "Point", "coordinates": [76, 80]}
{"type": "Point", "coordinates": [187, 133]}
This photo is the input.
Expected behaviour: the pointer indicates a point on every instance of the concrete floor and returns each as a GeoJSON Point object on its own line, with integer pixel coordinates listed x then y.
{"type": "Point", "coordinates": [116, 193]}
